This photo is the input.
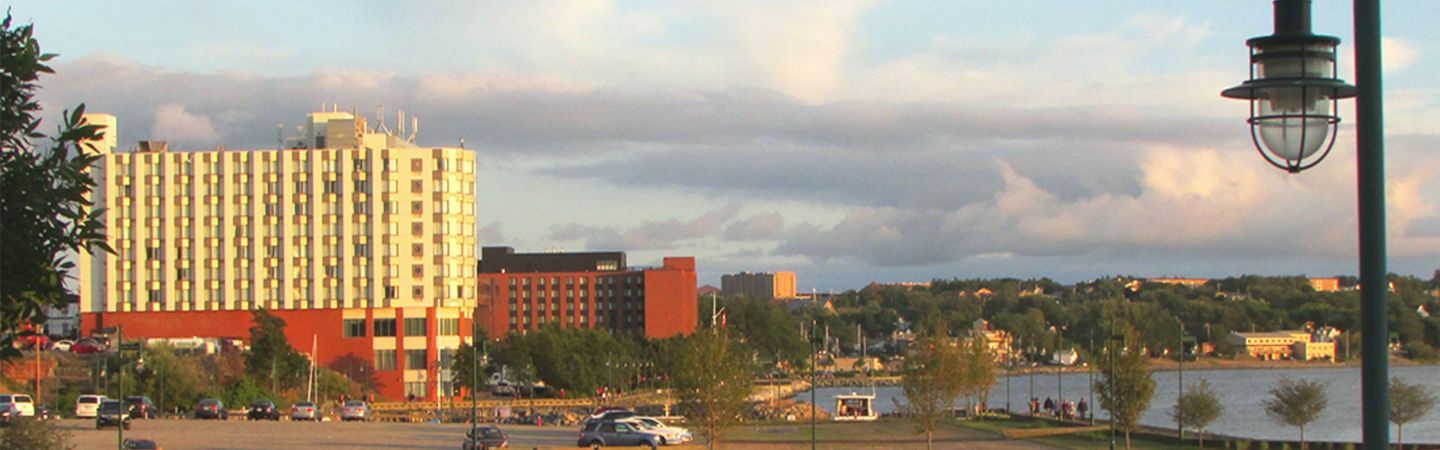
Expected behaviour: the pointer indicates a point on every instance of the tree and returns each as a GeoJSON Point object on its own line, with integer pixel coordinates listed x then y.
{"type": "Point", "coordinates": [45, 212]}
{"type": "Point", "coordinates": [1125, 386]}
{"type": "Point", "coordinates": [27, 434]}
{"type": "Point", "coordinates": [166, 378]}
{"type": "Point", "coordinates": [1407, 403]}
{"type": "Point", "coordinates": [978, 373]}
{"type": "Point", "coordinates": [932, 378]}
{"type": "Point", "coordinates": [1197, 408]}
{"type": "Point", "coordinates": [271, 359]}
{"type": "Point", "coordinates": [1296, 403]}
{"type": "Point", "coordinates": [712, 378]}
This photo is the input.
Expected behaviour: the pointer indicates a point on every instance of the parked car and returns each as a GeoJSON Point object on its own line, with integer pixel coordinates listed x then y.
{"type": "Point", "coordinates": [62, 345]}
{"type": "Point", "coordinates": [305, 411]}
{"type": "Point", "coordinates": [87, 346]}
{"type": "Point", "coordinates": [355, 410]}
{"type": "Point", "coordinates": [668, 435]}
{"type": "Point", "coordinates": [23, 405]}
{"type": "Point", "coordinates": [7, 414]}
{"type": "Point", "coordinates": [141, 444]}
{"type": "Point", "coordinates": [43, 412]}
{"type": "Point", "coordinates": [601, 433]}
{"type": "Point", "coordinates": [86, 405]}
{"type": "Point", "coordinates": [484, 438]}
{"type": "Point", "coordinates": [141, 407]}
{"type": "Point", "coordinates": [609, 414]}
{"type": "Point", "coordinates": [211, 409]}
{"type": "Point", "coordinates": [112, 413]}
{"type": "Point", "coordinates": [263, 410]}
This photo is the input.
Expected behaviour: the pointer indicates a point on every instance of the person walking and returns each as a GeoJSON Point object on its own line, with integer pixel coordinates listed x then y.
{"type": "Point", "coordinates": [1082, 408]}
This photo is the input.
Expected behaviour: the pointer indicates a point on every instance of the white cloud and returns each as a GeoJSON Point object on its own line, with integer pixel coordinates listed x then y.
{"type": "Point", "coordinates": [175, 124]}
{"type": "Point", "coordinates": [799, 48]}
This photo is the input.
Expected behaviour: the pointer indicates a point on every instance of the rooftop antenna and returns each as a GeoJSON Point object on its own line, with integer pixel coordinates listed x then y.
{"type": "Point", "coordinates": [400, 125]}
{"type": "Point", "coordinates": [279, 136]}
{"type": "Point", "coordinates": [414, 128]}
{"type": "Point", "coordinates": [462, 142]}
{"type": "Point", "coordinates": [380, 114]}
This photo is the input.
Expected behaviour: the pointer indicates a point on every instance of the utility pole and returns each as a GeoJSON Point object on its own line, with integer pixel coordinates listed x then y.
{"type": "Point", "coordinates": [120, 368]}
{"type": "Point", "coordinates": [1180, 377]}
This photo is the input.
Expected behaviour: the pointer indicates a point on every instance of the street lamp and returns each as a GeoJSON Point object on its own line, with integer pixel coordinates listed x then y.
{"type": "Point", "coordinates": [1292, 90]}
{"type": "Point", "coordinates": [1291, 97]}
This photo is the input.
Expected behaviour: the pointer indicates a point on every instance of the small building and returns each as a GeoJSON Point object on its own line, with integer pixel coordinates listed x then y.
{"type": "Point", "coordinates": [1276, 345]}
{"type": "Point", "coordinates": [1065, 357]}
{"type": "Point", "coordinates": [999, 342]}
{"type": "Point", "coordinates": [1330, 284]}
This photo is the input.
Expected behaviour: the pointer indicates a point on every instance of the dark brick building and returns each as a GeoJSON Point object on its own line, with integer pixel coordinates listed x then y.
{"type": "Point", "coordinates": [524, 291]}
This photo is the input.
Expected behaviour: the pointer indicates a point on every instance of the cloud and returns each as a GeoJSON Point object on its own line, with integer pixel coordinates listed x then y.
{"type": "Point", "coordinates": [798, 48]}
{"type": "Point", "coordinates": [648, 235]}
{"type": "Point", "coordinates": [757, 227]}
{"type": "Point", "coordinates": [174, 123]}
{"type": "Point", "coordinates": [1398, 54]}
{"type": "Point", "coordinates": [491, 233]}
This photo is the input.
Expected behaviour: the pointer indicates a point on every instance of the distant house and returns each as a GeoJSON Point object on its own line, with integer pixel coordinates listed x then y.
{"type": "Point", "coordinates": [1187, 282]}
{"type": "Point", "coordinates": [1065, 357]}
{"type": "Point", "coordinates": [999, 342]}
{"type": "Point", "coordinates": [1331, 284]}
{"type": "Point", "coordinates": [1275, 345]}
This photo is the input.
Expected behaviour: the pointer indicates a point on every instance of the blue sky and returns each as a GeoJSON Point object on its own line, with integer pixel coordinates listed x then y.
{"type": "Point", "coordinates": [851, 141]}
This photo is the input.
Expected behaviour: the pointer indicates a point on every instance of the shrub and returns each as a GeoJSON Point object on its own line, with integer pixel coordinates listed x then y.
{"type": "Point", "coordinates": [30, 433]}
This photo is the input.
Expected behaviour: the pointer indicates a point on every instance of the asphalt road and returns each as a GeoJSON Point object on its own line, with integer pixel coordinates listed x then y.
{"type": "Point", "coordinates": [241, 434]}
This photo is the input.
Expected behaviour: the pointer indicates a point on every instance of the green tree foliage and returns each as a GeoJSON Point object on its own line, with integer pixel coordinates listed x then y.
{"type": "Point", "coordinates": [1197, 408]}
{"type": "Point", "coordinates": [167, 379]}
{"type": "Point", "coordinates": [711, 376]}
{"type": "Point", "coordinates": [44, 210]}
{"type": "Point", "coordinates": [1124, 387]}
{"type": "Point", "coordinates": [1296, 403]}
{"type": "Point", "coordinates": [977, 369]}
{"type": "Point", "coordinates": [933, 376]}
{"type": "Point", "coordinates": [578, 360]}
{"type": "Point", "coordinates": [271, 360]}
{"type": "Point", "coordinates": [34, 434]}
{"type": "Point", "coordinates": [1407, 403]}
{"type": "Point", "coordinates": [243, 392]}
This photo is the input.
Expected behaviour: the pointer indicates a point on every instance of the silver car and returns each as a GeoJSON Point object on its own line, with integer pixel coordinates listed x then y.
{"type": "Point", "coordinates": [355, 410]}
{"type": "Point", "coordinates": [305, 411]}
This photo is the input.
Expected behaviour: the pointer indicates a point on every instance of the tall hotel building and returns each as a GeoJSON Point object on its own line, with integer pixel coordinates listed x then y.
{"type": "Point", "coordinates": [363, 242]}
{"type": "Point", "coordinates": [766, 285]}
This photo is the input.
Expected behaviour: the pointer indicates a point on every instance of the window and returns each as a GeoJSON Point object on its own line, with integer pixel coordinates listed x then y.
{"type": "Point", "coordinates": [415, 326]}
{"type": "Point", "coordinates": [417, 270]}
{"type": "Point", "coordinates": [417, 186]}
{"type": "Point", "coordinates": [391, 292]}
{"type": "Point", "coordinates": [416, 165]}
{"type": "Point", "coordinates": [417, 291]}
{"type": "Point", "coordinates": [417, 207]}
{"type": "Point", "coordinates": [415, 359]}
{"type": "Point", "coordinates": [448, 327]}
{"type": "Point", "coordinates": [414, 389]}
{"type": "Point", "coordinates": [354, 327]}
{"type": "Point", "coordinates": [447, 358]}
{"type": "Point", "coordinates": [417, 250]}
{"type": "Point", "coordinates": [384, 327]}
{"type": "Point", "coordinates": [384, 359]}
{"type": "Point", "coordinates": [417, 228]}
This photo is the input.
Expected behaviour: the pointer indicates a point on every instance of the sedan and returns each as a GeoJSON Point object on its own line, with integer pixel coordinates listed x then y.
{"type": "Point", "coordinates": [305, 411]}
{"type": "Point", "coordinates": [355, 410]}
{"type": "Point", "coordinates": [485, 438]}
{"type": "Point", "coordinates": [263, 410]}
{"type": "Point", "coordinates": [86, 346]}
{"type": "Point", "coordinates": [211, 409]}
{"type": "Point", "coordinates": [112, 413]}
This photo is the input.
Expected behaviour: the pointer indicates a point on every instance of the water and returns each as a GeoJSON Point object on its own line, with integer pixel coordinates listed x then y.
{"type": "Point", "coordinates": [1240, 391]}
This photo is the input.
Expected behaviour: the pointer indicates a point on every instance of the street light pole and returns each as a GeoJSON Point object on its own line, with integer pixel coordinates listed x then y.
{"type": "Point", "coordinates": [1180, 427]}
{"type": "Point", "coordinates": [1370, 177]}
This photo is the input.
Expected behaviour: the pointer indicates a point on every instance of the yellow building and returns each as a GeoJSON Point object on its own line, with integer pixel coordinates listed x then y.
{"type": "Point", "coordinates": [766, 285]}
{"type": "Point", "coordinates": [354, 218]}
{"type": "Point", "coordinates": [1276, 345]}
{"type": "Point", "coordinates": [1331, 284]}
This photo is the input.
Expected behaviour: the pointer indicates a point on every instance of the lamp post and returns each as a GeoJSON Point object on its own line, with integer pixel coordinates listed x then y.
{"type": "Point", "coordinates": [1180, 381]}
{"type": "Point", "coordinates": [1292, 92]}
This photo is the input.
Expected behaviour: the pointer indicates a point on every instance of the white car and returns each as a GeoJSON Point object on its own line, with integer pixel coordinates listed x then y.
{"type": "Point", "coordinates": [669, 435]}
{"type": "Point", "coordinates": [87, 405]}
{"type": "Point", "coordinates": [21, 402]}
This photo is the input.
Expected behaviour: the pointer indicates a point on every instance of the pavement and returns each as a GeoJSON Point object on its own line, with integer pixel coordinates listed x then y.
{"type": "Point", "coordinates": [237, 434]}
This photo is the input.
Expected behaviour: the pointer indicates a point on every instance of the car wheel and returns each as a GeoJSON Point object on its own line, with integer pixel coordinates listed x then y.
{"type": "Point", "coordinates": [652, 445]}
{"type": "Point", "coordinates": [99, 426]}
{"type": "Point", "coordinates": [127, 426]}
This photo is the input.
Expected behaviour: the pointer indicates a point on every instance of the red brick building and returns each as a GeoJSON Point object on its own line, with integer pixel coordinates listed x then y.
{"type": "Point", "coordinates": [524, 291]}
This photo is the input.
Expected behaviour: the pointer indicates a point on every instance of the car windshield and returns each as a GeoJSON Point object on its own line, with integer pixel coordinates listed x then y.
{"type": "Point", "coordinates": [354, 404]}
{"type": "Point", "coordinates": [305, 405]}
{"type": "Point", "coordinates": [490, 432]}
{"type": "Point", "coordinates": [110, 407]}
{"type": "Point", "coordinates": [208, 402]}
{"type": "Point", "coordinates": [22, 399]}
{"type": "Point", "coordinates": [261, 403]}
{"type": "Point", "coordinates": [89, 400]}
{"type": "Point", "coordinates": [5, 399]}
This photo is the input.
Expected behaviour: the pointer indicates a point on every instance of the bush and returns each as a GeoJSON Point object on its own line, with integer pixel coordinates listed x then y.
{"type": "Point", "coordinates": [1421, 352]}
{"type": "Point", "coordinates": [30, 433]}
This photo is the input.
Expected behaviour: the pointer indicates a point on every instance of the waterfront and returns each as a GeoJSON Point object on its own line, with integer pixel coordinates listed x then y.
{"type": "Point", "coordinates": [1241, 391]}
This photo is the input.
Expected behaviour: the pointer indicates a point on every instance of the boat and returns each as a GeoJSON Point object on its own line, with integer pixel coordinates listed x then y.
{"type": "Point", "coordinates": [855, 407]}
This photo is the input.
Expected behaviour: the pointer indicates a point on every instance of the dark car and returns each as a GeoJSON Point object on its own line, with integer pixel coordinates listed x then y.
{"type": "Point", "coordinates": [141, 444]}
{"type": "Point", "coordinates": [609, 414]}
{"type": "Point", "coordinates": [141, 407]}
{"type": "Point", "coordinates": [8, 413]}
{"type": "Point", "coordinates": [112, 413]}
{"type": "Point", "coordinates": [263, 410]}
{"type": "Point", "coordinates": [211, 409]}
{"type": "Point", "coordinates": [485, 437]}
{"type": "Point", "coordinates": [602, 433]}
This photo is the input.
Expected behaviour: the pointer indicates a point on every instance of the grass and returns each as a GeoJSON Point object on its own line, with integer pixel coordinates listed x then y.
{"type": "Point", "coordinates": [881, 430]}
{"type": "Point", "coordinates": [1078, 441]}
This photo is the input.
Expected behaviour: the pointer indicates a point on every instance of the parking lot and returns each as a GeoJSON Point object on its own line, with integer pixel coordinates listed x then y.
{"type": "Point", "coordinates": [241, 434]}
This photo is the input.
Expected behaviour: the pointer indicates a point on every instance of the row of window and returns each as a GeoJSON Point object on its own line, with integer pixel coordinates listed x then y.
{"type": "Point", "coordinates": [413, 326]}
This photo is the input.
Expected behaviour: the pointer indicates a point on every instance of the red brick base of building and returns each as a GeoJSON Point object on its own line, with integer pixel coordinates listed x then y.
{"type": "Point", "coordinates": [352, 356]}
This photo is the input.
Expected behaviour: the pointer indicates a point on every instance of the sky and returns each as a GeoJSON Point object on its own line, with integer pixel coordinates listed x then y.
{"type": "Point", "coordinates": [848, 141]}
